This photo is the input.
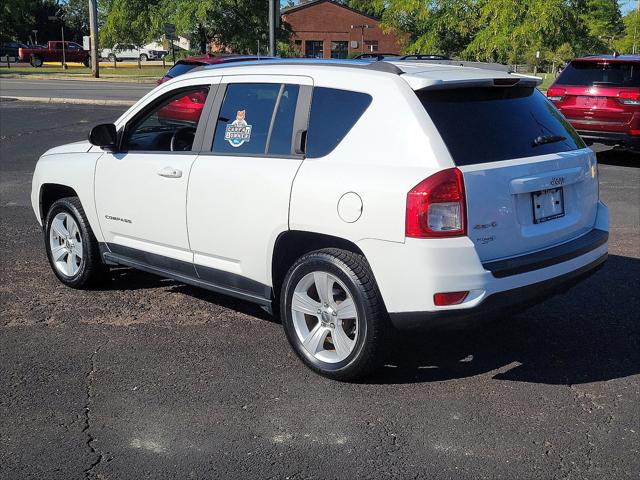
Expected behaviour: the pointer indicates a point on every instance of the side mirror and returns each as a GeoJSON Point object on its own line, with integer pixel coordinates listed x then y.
{"type": "Point", "coordinates": [104, 136]}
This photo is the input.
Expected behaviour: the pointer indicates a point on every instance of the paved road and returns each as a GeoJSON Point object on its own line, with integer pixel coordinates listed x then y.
{"type": "Point", "coordinates": [148, 378]}
{"type": "Point", "coordinates": [94, 90]}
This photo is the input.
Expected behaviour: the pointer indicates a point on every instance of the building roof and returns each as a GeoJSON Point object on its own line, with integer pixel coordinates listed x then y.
{"type": "Point", "coordinates": [313, 3]}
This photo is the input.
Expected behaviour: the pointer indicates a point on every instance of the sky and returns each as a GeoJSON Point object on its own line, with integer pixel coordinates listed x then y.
{"type": "Point", "coordinates": [627, 5]}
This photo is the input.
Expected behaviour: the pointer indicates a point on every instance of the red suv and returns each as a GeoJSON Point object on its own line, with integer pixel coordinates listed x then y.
{"type": "Point", "coordinates": [600, 96]}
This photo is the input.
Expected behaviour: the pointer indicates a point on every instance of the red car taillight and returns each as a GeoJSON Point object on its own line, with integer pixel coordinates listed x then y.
{"type": "Point", "coordinates": [449, 298]}
{"type": "Point", "coordinates": [556, 94]}
{"type": "Point", "coordinates": [629, 98]}
{"type": "Point", "coordinates": [436, 206]}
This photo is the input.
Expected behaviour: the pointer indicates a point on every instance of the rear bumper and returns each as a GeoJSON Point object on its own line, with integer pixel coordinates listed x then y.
{"type": "Point", "coordinates": [409, 274]}
{"type": "Point", "coordinates": [611, 138]}
{"type": "Point", "coordinates": [511, 301]}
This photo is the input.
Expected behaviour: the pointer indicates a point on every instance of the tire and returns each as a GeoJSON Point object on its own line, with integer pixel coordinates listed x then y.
{"type": "Point", "coordinates": [90, 269]}
{"type": "Point", "coordinates": [111, 57]}
{"type": "Point", "coordinates": [369, 334]}
{"type": "Point", "coordinates": [143, 57]}
{"type": "Point", "coordinates": [36, 61]}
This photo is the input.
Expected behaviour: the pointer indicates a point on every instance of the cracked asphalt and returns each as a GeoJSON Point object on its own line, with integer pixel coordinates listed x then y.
{"type": "Point", "coordinates": [148, 378]}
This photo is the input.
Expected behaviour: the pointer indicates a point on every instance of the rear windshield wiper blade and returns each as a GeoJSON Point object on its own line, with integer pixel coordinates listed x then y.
{"type": "Point", "coordinates": [544, 139]}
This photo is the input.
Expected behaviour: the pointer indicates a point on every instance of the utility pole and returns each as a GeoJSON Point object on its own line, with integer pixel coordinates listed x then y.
{"type": "Point", "coordinates": [635, 27]}
{"type": "Point", "coordinates": [93, 26]}
{"type": "Point", "coordinates": [273, 20]}
{"type": "Point", "coordinates": [362, 28]}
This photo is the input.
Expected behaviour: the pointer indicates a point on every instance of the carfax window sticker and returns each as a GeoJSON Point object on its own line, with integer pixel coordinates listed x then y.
{"type": "Point", "coordinates": [239, 131]}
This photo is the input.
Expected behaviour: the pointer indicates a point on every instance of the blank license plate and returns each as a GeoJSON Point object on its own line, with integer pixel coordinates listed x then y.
{"type": "Point", "coordinates": [547, 205]}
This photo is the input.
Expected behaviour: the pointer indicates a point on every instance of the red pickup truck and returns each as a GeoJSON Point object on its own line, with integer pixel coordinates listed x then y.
{"type": "Point", "coordinates": [53, 53]}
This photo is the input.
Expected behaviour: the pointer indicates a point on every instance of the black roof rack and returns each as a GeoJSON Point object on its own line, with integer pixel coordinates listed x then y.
{"type": "Point", "coordinates": [424, 56]}
{"type": "Point", "coordinates": [463, 63]}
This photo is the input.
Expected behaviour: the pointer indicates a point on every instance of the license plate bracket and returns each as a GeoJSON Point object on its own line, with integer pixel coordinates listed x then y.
{"type": "Point", "coordinates": [547, 204]}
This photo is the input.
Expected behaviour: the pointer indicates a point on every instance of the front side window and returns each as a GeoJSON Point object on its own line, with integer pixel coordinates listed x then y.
{"type": "Point", "coordinates": [256, 119]}
{"type": "Point", "coordinates": [333, 114]}
{"type": "Point", "coordinates": [170, 125]}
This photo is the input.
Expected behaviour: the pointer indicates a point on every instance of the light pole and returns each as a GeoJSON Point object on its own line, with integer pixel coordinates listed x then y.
{"type": "Point", "coordinates": [274, 20]}
{"type": "Point", "coordinates": [362, 28]}
{"type": "Point", "coordinates": [635, 26]}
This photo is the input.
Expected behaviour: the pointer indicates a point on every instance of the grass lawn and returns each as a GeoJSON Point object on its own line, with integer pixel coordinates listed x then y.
{"type": "Point", "coordinates": [151, 73]}
{"type": "Point", "coordinates": [546, 82]}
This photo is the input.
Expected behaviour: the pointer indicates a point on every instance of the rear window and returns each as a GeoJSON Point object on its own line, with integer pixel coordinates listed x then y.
{"type": "Point", "coordinates": [333, 113]}
{"type": "Point", "coordinates": [615, 74]}
{"type": "Point", "coordinates": [181, 68]}
{"type": "Point", "coordinates": [481, 125]}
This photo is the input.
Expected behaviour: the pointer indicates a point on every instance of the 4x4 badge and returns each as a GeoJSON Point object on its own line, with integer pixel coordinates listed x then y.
{"type": "Point", "coordinates": [238, 131]}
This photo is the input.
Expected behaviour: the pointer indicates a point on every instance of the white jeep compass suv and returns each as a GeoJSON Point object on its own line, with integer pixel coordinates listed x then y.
{"type": "Point", "coordinates": [349, 197]}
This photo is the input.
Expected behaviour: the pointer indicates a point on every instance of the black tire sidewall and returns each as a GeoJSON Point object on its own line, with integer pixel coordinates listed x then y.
{"type": "Point", "coordinates": [143, 58]}
{"type": "Point", "coordinates": [64, 205]}
{"type": "Point", "coordinates": [326, 263]}
{"type": "Point", "coordinates": [36, 61]}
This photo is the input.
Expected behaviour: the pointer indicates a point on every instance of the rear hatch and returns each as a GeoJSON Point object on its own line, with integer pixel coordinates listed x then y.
{"type": "Point", "coordinates": [598, 94]}
{"type": "Point", "coordinates": [530, 181]}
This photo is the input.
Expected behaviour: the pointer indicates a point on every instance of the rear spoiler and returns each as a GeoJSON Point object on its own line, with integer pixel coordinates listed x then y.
{"type": "Point", "coordinates": [496, 67]}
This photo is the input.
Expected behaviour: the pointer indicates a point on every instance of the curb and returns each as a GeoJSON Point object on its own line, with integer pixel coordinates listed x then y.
{"type": "Point", "coordinates": [72, 101]}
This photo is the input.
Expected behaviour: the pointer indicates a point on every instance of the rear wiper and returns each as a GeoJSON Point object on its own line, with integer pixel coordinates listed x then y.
{"type": "Point", "coordinates": [544, 139]}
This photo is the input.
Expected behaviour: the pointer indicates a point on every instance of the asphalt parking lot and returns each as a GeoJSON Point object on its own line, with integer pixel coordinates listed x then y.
{"type": "Point", "coordinates": [148, 378]}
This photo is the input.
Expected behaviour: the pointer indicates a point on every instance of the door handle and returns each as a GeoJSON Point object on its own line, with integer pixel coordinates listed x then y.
{"type": "Point", "coordinates": [169, 172]}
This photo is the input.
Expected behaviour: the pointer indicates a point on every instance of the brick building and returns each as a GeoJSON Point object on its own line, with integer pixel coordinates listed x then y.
{"type": "Point", "coordinates": [326, 29]}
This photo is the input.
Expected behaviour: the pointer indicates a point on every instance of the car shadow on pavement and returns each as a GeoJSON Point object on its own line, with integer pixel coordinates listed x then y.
{"type": "Point", "coordinates": [619, 158]}
{"type": "Point", "coordinates": [591, 333]}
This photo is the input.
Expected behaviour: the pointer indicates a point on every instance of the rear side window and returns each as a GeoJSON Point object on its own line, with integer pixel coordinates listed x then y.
{"type": "Point", "coordinates": [614, 74]}
{"type": "Point", "coordinates": [333, 114]}
{"type": "Point", "coordinates": [282, 129]}
{"type": "Point", "coordinates": [245, 117]}
{"type": "Point", "coordinates": [481, 125]}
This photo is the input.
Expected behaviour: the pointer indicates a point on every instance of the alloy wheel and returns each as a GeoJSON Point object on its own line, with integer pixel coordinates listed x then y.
{"type": "Point", "coordinates": [325, 317]}
{"type": "Point", "coordinates": [65, 242]}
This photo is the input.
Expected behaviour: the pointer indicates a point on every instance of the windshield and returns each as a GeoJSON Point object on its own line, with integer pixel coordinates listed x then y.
{"type": "Point", "coordinates": [181, 68]}
{"type": "Point", "coordinates": [616, 74]}
{"type": "Point", "coordinates": [481, 125]}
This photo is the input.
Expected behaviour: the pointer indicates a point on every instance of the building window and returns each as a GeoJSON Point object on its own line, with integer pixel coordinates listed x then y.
{"type": "Point", "coordinates": [371, 45]}
{"type": "Point", "coordinates": [313, 49]}
{"type": "Point", "coordinates": [339, 49]}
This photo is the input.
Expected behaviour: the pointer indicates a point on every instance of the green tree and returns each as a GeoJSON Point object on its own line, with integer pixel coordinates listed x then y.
{"type": "Point", "coordinates": [631, 34]}
{"type": "Point", "coordinates": [18, 18]}
{"type": "Point", "coordinates": [131, 21]}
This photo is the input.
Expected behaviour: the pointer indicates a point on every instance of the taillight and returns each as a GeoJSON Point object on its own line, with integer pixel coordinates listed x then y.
{"type": "Point", "coordinates": [436, 206]}
{"type": "Point", "coordinates": [556, 94]}
{"type": "Point", "coordinates": [449, 298]}
{"type": "Point", "coordinates": [629, 98]}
